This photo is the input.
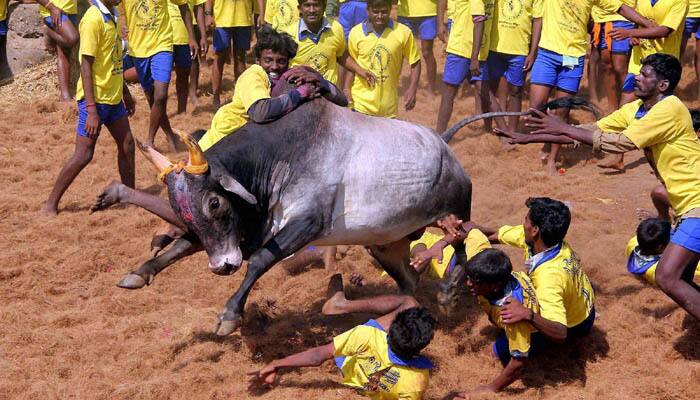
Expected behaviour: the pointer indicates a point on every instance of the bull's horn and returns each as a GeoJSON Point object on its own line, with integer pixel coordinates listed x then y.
{"type": "Point", "coordinates": [197, 163]}
{"type": "Point", "coordinates": [160, 161]}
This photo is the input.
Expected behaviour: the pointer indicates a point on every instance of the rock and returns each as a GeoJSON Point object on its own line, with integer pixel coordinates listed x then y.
{"type": "Point", "coordinates": [25, 21]}
{"type": "Point", "coordinates": [25, 39]}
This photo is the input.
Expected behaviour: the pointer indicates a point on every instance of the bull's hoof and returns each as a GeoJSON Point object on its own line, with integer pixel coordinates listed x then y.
{"type": "Point", "coordinates": [225, 327]}
{"type": "Point", "coordinates": [134, 281]}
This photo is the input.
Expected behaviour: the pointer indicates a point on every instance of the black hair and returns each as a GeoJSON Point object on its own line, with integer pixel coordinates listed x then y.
{"type": "Point", "coordinates": [320, 1]}
{"type": "Point", "coordinates": [695, 116]}
{"type": "Point", "coordinates": [552, 217]}
{"type": "Point", "coordinates": [667, 66]}
{"type": "Point", "coordinates": [653, 233]}
{"type": "Point", "coordinates": [379, 3]}
{"type": "Point", "coordinates": [270, 39]}
{"type": "Point", "coordinates": [489, 266]}
{"type": "Point", "coordinates": [411, 331]}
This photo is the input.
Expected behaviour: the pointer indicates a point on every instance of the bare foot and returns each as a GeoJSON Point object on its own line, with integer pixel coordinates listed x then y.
{"type": "Point", "coordinates": [111, 195]}
{"type": "Point", "coordinates": [643, 213]}
{"type": "Point", "coordinates": [336, 301]}
{"type": "Point", "coordinates": [216, 102]}
{"type": "Point", "coordinates": [48, 210]}
{"type": "Point", "coordinates": [357, 279]}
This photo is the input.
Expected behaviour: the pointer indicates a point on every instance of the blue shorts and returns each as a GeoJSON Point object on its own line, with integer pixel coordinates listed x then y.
{"type": "Point", "coordinates": [108, 114]}
{"type": "Point", "coordinates": [549, 70]}
{"type": "Point", "coordinates": [449, 25]}
{"type": "Point", "coordinates": [181, 55]}
{"type": "Point", "coordinates": [687, 234]}
{"type": "Point", "coordinates": [457, 70]}
{"type": "Point", "coordinates": [507, 65]}
{"type": "Point", "coordinates": [239, 34]}
{"type": "Point", "coordinates": [539, 342]}
{"type": "Point", "coordinates": [127, 62]}
{"type": "Point", "coordinates": [351, 13]}
{"type": "Point", "coordinates": [602, 40]}
{"type": "Point", "coordinates": [157, 67]}
{"type": "Point", "coordinates": [628, 85]}
{"type": "Point", "coordinates": [64, 17]}
{"type": "Point", "coordinates": [692, 25]}
{"type": "Point", "coordinates": [3, 27]}
{"type": "Point", "coordinates": [424, 28]}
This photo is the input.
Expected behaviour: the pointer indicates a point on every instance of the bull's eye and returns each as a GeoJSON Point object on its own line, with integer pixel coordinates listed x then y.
{"type": "Point", "coordinates": [214, 204]}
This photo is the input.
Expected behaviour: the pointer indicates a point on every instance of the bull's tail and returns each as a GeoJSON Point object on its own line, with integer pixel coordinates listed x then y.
{"type": "Point", "coordinates": [571, 102]}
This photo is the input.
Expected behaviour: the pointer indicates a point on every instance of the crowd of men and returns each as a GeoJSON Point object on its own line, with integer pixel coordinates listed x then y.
{"type": "Point", "coordinates": [355, 59]}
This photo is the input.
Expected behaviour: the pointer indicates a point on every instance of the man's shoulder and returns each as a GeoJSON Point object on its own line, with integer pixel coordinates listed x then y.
{"type": "Point", "coordinates": [93, 16]}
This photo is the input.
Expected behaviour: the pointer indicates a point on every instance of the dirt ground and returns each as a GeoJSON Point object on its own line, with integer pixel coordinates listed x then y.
{"type": "Point", "coordinates": [68, 332]}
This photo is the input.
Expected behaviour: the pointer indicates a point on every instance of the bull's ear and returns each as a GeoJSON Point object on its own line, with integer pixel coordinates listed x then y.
{"type": "Point", "coordinates": [231, 185]}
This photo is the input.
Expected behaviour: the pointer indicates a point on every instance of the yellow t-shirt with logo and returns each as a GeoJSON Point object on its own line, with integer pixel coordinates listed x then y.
{"type": "Point", "coordinates": [383, 56]}
{"type": "Point", "coordinates": [68, 7]}
{"type": "Point", "coordinates": [149, 26]}
{"type": "Point", "coordinates": [511, 29]}
{"type": "Point", "coordinates": [232, 13]}
{"type": "Point", "coordinates": [281, 14]}
{"type": "Point", "coordinates": [475, 243]}
{"type": "Point", "coordinates": [669, 13]}
{"type": "Point", "coordinates": [251, 86]}
{"type": "Point", "coordinates": [563, 290]}
{"type": "Point", "coordinates": [694, 9]}
{"type": "Point", "coordinates": [366, 355]}
{"type": "Point", "coordinates": [462, 33]}
{"type": "Point", "coordinates": [180, 35]}
{"type": "Point", "coordinates": [417, 8]}
{"type": "Point", "coordinates": [650, 274]}
{"type": "Point", "coordinates": [3, 9]}
{"type": "Point", "coordinates": [322, 56]}
{"type": "Point", "coordinates": [565, 24]}
{"type": "Point", "coordinates": [100, 39]}
{"type": "Point", "coordinates": [600, 15]}
{"type": "Point", "coordinates": [667, 136]}
{"type": "Point", "coordinates": [518, 334]}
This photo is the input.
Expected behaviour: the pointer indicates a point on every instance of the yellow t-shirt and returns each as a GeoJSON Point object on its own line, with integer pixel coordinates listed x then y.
{"type": "Point", "coordinates": [462, 33]}
{"type": "Point", "coordinates": [450, 9]}
{"type": "Point", "coordinates": [565, 24]}
{"type": "Point", "coordinates": [251, 86]}
{"type": "Point", "coordinates": [322, 56]}
{"type": "Point", "coordinates": [475, 242]}
{"type": "Point", "coordinates": [149, 26]}
{"type": "Point", "coordinates": [600, 15]}
{"type": "Point", "coordinates": [417, 8]}
{"type": "Point", "coordinates": [563, 290]}
{"type": "Point", "coordinates": [256, 8]}
{"type": "Point", "coordinates": [694, 9]}
{"type": "Point", "coordinates": [667, 136]}
{"type": "Point", "coordinates": [383, 56]}
{"type": "Point", "coordinates": [180, 35]}
{"type": "Point", "coordinates": [363, 353]}
{"type": "Point", "coordinates": [511, 29]}
{"type": "Point", "coordinates": [637, 263]}
{"type": "Point", "coordinates": [100, 39]}
{"type": "Point", "coordinates": [68, 7]}
{"type": "Point", "coordinates": [669, 13]}
{"type": "Point", "coordinates": [3, 9]}
{"type": "Point", "coordinates": [281, 14]}
{"type": "Point", "coordinates": [232, 13]}
{"type": "Point", "coordinates": [518, 334]}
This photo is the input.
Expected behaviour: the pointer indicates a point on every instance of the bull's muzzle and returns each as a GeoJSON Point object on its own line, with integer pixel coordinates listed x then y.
{"type": "Point", "coordinates": [224, 269]}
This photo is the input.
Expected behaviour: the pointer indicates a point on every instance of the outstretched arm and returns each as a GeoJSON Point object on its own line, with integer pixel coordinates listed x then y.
{"type": "Point", "coordinates": [633, 16]}
{"type": "Point", "coordinates": [308, 358]}
{"type": "Point", "coordinates": [272, 109]}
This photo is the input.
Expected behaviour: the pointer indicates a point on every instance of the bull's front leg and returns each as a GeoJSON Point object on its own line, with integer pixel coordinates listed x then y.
{"type": "Point", "coordinates": [295, 235]}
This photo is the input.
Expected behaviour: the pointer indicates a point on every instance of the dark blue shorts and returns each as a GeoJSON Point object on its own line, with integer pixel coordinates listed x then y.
{"type": "Point", "coordinates": [351, 13]}
{"type": "Point", "coordinates": [602, 40]}
{"type": "Point", "coordinates": [507, 65]}
{"type": "Point", "coordinates": [3, 27]}
{"type": "Point", "coordinates": [239, 34]}
{"type": "Point", "coordinates": [457, 70]}
{"type": "Point", "coordinates": [628, 84]}
{"type": "Point", "coordinates": [538, 341]}
{"type": "Point", "coordinates": [449, 25]}
{"type": "Point", "coordinates": [64, 17]}
{"type": "Point", "coordinates": [181, 55]}
{"type": "Point", "coordinates": [549, 70]}
{"type": "Point", "coordinates": [108, 114]}
{"type": "Point", "coordinates": [687, 234]}
{"type": "Point", "coordinates": [692, 26]}
{"type": "Point", "coordinates": [157, 67]}
{"type": "Point", "coordinates": [424, 28]}
{"type": "Point", "coordinates": [127, 62]}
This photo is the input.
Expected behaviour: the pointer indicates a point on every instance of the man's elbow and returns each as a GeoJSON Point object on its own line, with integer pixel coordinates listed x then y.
{"type": "Point", "coordinates": [559, 335]}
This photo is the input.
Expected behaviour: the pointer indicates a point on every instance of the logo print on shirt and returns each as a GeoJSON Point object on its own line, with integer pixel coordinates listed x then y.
{"type": "Point", "coordinates": [512, 9]}
{"type": "Point", "coordinates": [147, 12]}
{"type": "Point", "coordinates": [379, 62]}
{"type": "Point", "coordinates": [284, 14]}
{"type": "Point", "coordinates": [319, 62]}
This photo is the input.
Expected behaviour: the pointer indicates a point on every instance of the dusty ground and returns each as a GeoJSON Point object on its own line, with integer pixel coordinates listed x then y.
{"type": "Point", "coordinates": [68, 332]}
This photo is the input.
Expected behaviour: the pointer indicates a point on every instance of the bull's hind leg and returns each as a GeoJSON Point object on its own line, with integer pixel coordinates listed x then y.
{"type": "Point", "coordinates": [395, 260]}
{"type": "Point", "coordinates": [451, 283]}
{"type": "Point", "coordinates": [144, 275]}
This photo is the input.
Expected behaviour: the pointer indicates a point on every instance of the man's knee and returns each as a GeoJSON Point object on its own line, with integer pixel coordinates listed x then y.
{"type": "Point", "coordinates": [515, 91]}
{"type": "Point", "coordinates": [127, 145]}
{"type": "Point", "coordinates": [160, 94]}
{"type": "Point", "coordinates": [426, 48]}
